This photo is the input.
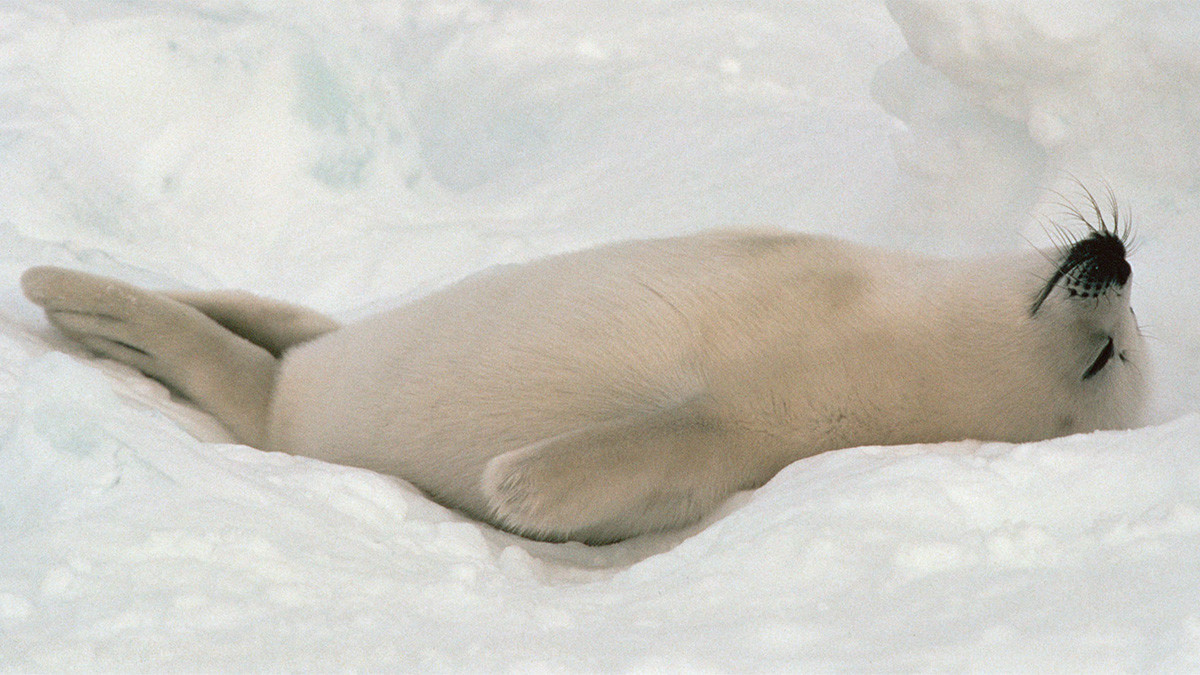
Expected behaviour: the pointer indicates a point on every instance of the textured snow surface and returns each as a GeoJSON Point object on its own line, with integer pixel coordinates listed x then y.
{"type": "Point", "coordinates": [352, 155]}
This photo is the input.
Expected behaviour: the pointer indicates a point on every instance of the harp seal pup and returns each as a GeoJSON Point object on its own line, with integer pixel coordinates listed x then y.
{"type": "Point", "coordinates": [631, 388]}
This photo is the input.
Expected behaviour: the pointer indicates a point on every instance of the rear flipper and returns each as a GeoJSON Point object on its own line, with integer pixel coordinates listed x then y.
{"type": "Point", "coordinates": [223, 373]}
{"type": "Point", "coordinates": [273, 325]}
{"type": "Point", "coordinates": [614, 480]}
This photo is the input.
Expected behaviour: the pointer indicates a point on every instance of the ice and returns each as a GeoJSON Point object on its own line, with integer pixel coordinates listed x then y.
{"type": "Point", "coordinates": [352, 155]}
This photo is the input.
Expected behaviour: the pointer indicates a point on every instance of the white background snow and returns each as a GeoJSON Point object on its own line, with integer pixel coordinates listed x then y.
{"type": "Point", "coordinates": [351, 155]}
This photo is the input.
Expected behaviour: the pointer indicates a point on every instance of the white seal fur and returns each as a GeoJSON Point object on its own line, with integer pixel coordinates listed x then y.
{"type": "Point", "coordinates": [631, 388]}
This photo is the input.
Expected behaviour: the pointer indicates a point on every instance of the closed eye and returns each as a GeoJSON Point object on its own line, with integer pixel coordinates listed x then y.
{"type": "Point", "coordinates": [1102, 360]}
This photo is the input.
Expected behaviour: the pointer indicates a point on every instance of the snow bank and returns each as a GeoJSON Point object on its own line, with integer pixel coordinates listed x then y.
{"type": "Point", "coordinates": [1006, 106]}
{"type": "Point", "coordinates": [350, 155]}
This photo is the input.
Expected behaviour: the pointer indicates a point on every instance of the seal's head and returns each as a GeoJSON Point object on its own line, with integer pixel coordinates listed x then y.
{"type": "Point", "coordinates": [1088, 296]}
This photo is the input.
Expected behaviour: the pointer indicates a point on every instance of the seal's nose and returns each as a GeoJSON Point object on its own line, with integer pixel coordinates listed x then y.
{"type": "Point", "coordinates": [1090, 268]}
{"type": "Point", "coordinates": [1095, 264]}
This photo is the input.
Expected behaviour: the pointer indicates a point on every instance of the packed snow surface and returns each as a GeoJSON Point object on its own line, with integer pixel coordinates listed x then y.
{"type": "Point", "coordinates": [353, 155]}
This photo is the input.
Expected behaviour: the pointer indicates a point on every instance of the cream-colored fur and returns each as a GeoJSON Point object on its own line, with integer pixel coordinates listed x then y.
{"type": "Point", "coordinates": [631, 388]}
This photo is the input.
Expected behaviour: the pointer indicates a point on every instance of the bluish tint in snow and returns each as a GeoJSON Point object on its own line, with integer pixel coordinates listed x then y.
{"type": "Point", "coordinates": [351, 155]}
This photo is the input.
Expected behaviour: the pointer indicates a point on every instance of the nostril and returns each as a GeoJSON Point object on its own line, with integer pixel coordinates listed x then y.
{"type": "Point", "coordinates": [1124, 270]}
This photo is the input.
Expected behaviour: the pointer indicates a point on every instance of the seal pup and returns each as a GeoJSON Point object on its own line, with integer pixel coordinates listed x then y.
{"type": "Point", "coordinates": [631, 388]}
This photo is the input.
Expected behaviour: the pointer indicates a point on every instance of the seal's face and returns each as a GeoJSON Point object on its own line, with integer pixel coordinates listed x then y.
{"type": "Point", "coordinates": [1102, 347]}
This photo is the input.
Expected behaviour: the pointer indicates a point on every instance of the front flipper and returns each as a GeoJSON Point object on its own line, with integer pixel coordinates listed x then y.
{"type": "Point", "coordinates": [618, 479]}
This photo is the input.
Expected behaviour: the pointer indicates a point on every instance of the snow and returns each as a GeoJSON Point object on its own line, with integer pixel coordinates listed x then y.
{"type": "Point", "coordinates": [352, 155]}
